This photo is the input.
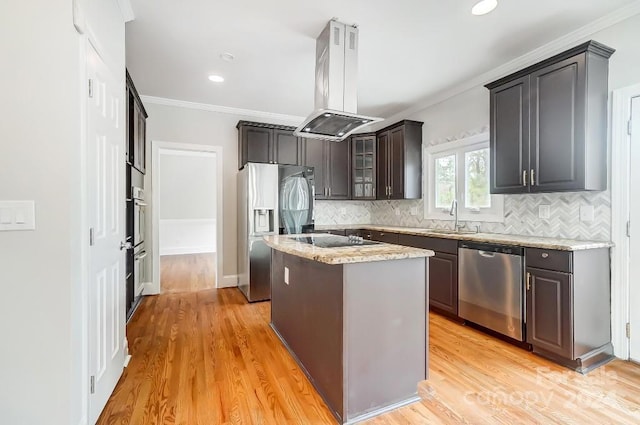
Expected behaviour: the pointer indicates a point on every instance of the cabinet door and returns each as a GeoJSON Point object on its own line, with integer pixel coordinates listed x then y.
{"type": "Point", "coordinates": [558, 126]}
{"type": "Point", "coordinates": [142, 142]}
{"type": "Point", "coordinates": [396, 163]}
{"type": "Point", "coordinates": [339, 170]}
{"type": "Point", "coordinates": [443, 282]}
{"type": "Point", "coordinates": [549, 311]}
{"type": "Point", "coordinates": [382, 170]}
{"type": "Point", "coordinates": [363, 167]}
{"type": "Point", "coordinates": [315, 157]}
{"type": "Point", "coordinates": [509, 142]}
{"type": "Point", "coordinates": [256, 144]}
{"type": "Point", "coordinates": [129, 145]}
{"type": "Point", "coordinates": [286, 147]}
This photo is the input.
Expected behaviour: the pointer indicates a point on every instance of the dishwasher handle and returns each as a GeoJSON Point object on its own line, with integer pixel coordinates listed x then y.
{"type": "Point", "coordinates": [486, 254]}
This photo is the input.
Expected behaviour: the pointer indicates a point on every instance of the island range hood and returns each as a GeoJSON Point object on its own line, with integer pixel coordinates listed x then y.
{"type": "Point", "coordinates": [336, 97]}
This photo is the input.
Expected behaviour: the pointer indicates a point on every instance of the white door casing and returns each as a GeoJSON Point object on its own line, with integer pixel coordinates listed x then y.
{"type": "Point", "coordinates": [106, 206]}
{"type": "Point", "coordinates": [634, 240]}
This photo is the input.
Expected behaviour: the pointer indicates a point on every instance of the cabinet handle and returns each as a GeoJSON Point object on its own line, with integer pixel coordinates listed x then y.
{"type": "Point", "coordinates": [533, 178]}
{"type": "Point", "coordinates": [524, 178]}
{"type": "Point", "coordinates": [329, 191]}
{"type": "Point", "coordinates": [528, 281]}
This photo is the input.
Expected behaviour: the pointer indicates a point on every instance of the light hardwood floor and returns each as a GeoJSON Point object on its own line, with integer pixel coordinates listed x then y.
{"type": "Point", "coordinates": [208, 358]}
{"type": "Point", "coordinates": [187, 273]}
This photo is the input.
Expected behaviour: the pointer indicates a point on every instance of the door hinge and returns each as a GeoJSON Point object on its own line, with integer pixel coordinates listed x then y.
{"type": "Point", "coordinates": [92, 384]}
{"type": "Point", "coordinates": [91, 236]}
{"type": "Point", "coordinates": [628, 229]}
{"type": "Point", "coordinates": [629, 125]}
{"type": "Point", "coordinates": [628, 330]}
{"type": "Point", "coordinates": [90, 87]}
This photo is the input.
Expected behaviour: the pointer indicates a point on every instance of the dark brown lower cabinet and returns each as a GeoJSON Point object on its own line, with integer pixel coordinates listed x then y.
{"type": "Point", "coordinates": [386, 237]}
{"type": "Point", "coordinates": [443, 282]}
{"type": "Point", "coordinates": [549, 301]}
{"type": "Point", "coordinates": [568, 306]}
{"type": "Point", "coordinates": [443, 271]}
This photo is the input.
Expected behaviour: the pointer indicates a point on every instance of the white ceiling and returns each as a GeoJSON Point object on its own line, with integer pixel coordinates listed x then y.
{"type": "Point", "coordinates": [409, 49]}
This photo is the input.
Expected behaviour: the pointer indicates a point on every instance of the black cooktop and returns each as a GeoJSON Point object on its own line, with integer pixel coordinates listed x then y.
{"type": "Point", "coordinates": [333, 241]}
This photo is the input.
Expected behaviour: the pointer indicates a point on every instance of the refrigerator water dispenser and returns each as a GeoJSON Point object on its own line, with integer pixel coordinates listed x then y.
{"type": "Point", "coordinates": [263, 221]}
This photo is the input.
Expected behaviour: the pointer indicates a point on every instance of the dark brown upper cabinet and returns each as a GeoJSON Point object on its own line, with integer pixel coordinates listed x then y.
{"type": "Point", "coordinates": [332, 168]}
{"type": "Point", "coordinates": [548, 124]}
{"type": "Point", "coordinates": [136, 128]}
{"type": "Point", "coordinates": [363, 166]}
{"type": "Point", "coordinates": [268, 143]}
{"type": "Point", "coordinates": [399, 161]}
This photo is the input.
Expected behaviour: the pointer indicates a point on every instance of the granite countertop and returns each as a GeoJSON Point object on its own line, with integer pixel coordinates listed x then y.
{"type": "Point", "coordinates": [344, 255]}
{"type": "Point", "coordinates": [497, 238]}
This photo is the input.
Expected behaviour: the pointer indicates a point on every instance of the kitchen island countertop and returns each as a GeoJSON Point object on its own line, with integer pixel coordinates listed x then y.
{"type": "Point", "coordinates": [346, 254]}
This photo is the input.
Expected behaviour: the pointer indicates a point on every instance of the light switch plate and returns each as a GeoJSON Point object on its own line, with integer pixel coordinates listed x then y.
{"type": "Point", "coordinates": [414, 210]}
{"type": "Point", "coordinates": [586, 213]}
{"type": "Point", "coordinates": [17, 215]}
{"type": "Point", "coordinates": [397, 212]}
{"type": "Point", "coordinates": [286, 275]}
{"type": "Point", "coordinates": [343, 211]}
{"type": "Point", "coordinates": [544, 212]}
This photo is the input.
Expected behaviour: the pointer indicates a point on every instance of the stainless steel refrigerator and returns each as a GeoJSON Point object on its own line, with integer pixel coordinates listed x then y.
{"type": "Point", "coordinates": [267, 192]}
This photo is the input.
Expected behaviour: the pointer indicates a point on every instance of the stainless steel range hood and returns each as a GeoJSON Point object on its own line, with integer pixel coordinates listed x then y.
{"type": "Point", "coordinates": [336, 98]}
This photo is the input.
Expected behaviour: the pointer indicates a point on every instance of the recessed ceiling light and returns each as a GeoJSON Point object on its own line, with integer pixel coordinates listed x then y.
{"type": "Point", "coordinates": [216, 78]}
{"type": "Point", "coordinates": [484, 6]}
{"type": "Point", "coordinates": [227, 57]}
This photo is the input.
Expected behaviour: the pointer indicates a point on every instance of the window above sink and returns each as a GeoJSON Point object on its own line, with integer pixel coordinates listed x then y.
{"type": "Point", "coordinates": [460, 170]}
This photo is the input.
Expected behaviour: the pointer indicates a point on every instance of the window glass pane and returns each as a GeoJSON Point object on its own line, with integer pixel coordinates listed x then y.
{"type": "Point", "coordinates": [476, 179]}
{"type": "Point", "coordinates": [358, 177]}
{"type": "Point", "coordinates": [368, 161]}
{"type": "Point", "coordinates": [445, 181]}
{"type": "Point", "coordinates": [359, 145]}
{"type": "Point", "coordinates": [368, 175]}
{"type": "Point", "coordinates": [369, 145]}
{"type": "Point", "coordinates": [358, 190]}
{"type": "Point", "coordinates": [359, 161]}
{"type": "Point", "coordinates": [368, 190]}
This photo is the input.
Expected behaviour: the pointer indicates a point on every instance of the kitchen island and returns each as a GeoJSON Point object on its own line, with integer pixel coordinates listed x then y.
{"type": "Point", "coordinates": [354, 318]}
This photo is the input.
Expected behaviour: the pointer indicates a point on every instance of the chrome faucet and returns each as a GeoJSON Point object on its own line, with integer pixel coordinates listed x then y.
{"type": "Point", "coordinates": [454, 212]}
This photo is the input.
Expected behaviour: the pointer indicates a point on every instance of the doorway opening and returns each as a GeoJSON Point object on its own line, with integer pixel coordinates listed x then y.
{"type": "Point", "coordinates": [625, 178]}
{"type": "Point", "coordinates": [186, 218]}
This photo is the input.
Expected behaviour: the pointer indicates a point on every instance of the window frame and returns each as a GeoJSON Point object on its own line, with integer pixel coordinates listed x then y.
{"type": "Point", "coordinates": [494, 214]}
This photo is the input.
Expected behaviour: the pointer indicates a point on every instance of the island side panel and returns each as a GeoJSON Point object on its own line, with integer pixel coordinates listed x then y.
{"type": "Point", "coordinates": [307, 315]}
{"type": "Point", "coordinates": [385, 318]}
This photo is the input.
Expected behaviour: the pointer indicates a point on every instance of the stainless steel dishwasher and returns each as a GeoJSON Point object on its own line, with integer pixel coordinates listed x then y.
{"type": "Point", "coordinates": [490, 287]}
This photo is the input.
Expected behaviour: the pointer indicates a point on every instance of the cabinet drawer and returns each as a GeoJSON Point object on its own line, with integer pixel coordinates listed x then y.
{"type": "Point", "coordinates": [549, 259]}
{"type": "Point", "coordinates": [386, 237]}
{"type": "Point", "coordinates": [449, 246]}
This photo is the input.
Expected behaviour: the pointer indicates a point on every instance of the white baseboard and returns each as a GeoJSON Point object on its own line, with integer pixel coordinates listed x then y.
{"type": "Point", "coordinates": [228, 281]}
{"type": "Point", "coordinates": [150, 289]}
{"type": "Point", "coordinates": [188, 250]}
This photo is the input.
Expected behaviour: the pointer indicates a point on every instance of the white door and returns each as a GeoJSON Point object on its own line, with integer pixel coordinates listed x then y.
{"type": "Point", "coordinates": [105, 186]}
{"type": "Point", "coordinates": [634, 241]}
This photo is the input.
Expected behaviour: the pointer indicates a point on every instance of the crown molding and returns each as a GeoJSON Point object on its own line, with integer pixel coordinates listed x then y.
{"type": "Point", "coordinates": [222, 109]}
{"type": "Point", "coordinates": [554, 47]}
{"type": "Point", "coordinates": [127, 10]}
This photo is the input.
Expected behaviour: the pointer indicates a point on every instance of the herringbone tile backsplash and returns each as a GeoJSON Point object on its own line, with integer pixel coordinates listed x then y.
{"type": "Point", "coordinates": [521, 215]}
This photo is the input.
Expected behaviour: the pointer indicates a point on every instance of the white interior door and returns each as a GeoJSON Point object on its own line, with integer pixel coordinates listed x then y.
{"type": "Point", "coordinates": [634, 241]}
{"type": "Point", "coordinates": [105, 185]}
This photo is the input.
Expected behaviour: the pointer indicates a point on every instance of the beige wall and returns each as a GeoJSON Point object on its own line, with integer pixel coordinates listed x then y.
{"type": "Point", "coordinates": [194, 126]}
